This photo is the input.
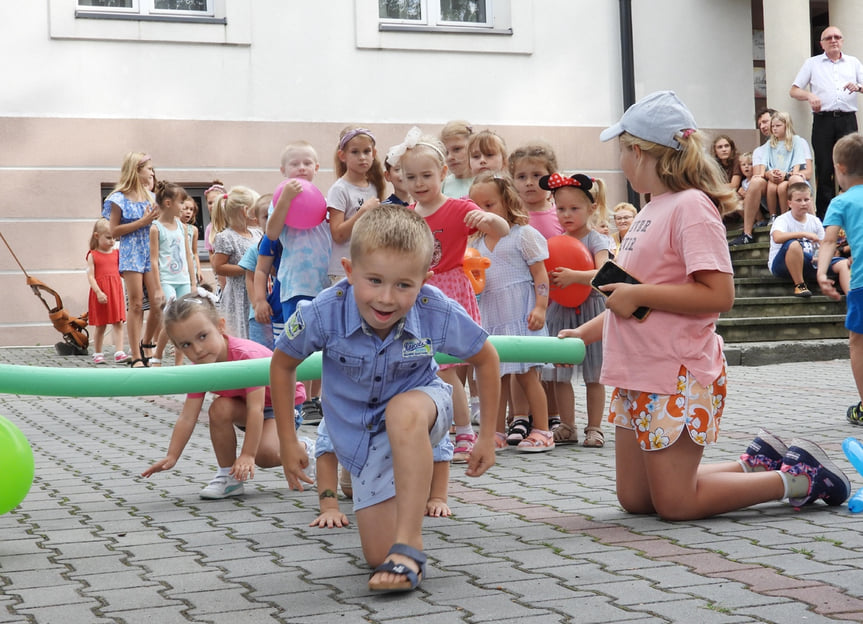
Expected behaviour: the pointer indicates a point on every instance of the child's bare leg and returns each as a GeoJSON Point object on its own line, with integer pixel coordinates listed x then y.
{"type": "Point", "coordinates": [595, 397]}
{"type": "Point", "coordinates": [531, 388]}
{"type": "Point", "coordinates": [436, 506]}
{"type": "Point", "coordinates": [668, 481]}
{"type": "Point", "coordinates": [794, 262]}
{"type": "Point", "coordinates": [224, 412]}
{"type": "Point", "coordinates": [409, 418]}
{"type": "Point", "coordinates": [551, 400]}
{"type": "Point", "coordinates": [772, 199]}
{"type": "Point", "coordinates": [98, 338]}
{"type": "Point", "coordinates": [117, 331]}
{"type": "Point", "coordinates": [503, 404]}
{"type": "Point", "coordinates": [154, 318]}
{"type": "Point", "coordinates": [782, 196]}
{"type": "Point", "coordinates": [855, 349]}
{"type": "Point", "coordinates": [565, 398]}
{"type": "Point", "coordinates": [161, 343]}
{"type": "Point", "coordinates": [135, 314]}
{"type": "Point", "coordinates": [460, 409]}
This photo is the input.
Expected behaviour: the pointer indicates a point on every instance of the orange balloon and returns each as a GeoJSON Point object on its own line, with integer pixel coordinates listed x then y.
{"type": "Point", "coordinates": [474, 267]}
{"type": "Point", "coordinates": [568, 252]}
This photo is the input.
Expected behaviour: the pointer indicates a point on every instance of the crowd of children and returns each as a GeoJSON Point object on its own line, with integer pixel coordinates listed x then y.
{"type": "Point", "coordinates": [379, 287]}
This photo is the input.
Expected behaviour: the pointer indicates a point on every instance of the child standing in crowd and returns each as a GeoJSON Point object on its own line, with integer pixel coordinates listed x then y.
{"type": "Point", "coordinates": [451, 221]}
{"type": "Point", "coordinates": [260, 332]}
{"type": "Point", "coordinates": [360, 188]}
{"type": "Point", "coordinates": [189, 215]}
{"type": "Point", "coordinates": [393, 175]}
{"type": "Point", "coordinates": [527, 165]}
{"type": "Point", "coordinates": [487, 152]}
{"type": "Point", "coordinates": [668, 371]}
{"type": "Point", "coordinates": [130, 209]}
{"type": "Point", "coordinates": [169, 252]}
{"type": "Point", "coordinates": [455, 137]}
{"type": "Point", "coordinates": [106, 302]}
{"type": "Point", "coordinates": [217, 221]}
{"type": "Point", "coordinates": [229, 247]}
{"type": "Point", "coordinates": [846, 212]}
{"type": "Point", "coordinates": [514, 302]}
{"type": "Point", "coordinates": [301, 257]}
{"type": "Point", "coordinates": [195, 327]}
{"type": "Point", "coordinates": [384, 405]}
{"type": "Point", "coordinates": [578, 199]}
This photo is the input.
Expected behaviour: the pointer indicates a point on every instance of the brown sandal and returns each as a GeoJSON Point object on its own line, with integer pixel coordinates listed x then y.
{"type": "Point", "coordinates": [593, 437]}
{"type": "Point", "coordinates": [565, 434]}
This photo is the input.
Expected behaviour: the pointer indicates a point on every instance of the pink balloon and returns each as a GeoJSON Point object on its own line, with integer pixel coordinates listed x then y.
{"type": "Point", "coordinates": [568, 252]}
{"type": "Point", "coordinates": [308, 209]}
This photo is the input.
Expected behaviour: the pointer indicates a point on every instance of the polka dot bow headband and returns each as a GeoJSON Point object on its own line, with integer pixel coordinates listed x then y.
{"type": "Point", "coordinates": [555, 181]}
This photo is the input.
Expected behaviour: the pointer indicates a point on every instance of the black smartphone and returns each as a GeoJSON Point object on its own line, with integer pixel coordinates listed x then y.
{"type": "Point", "coordinates": [611, 273]}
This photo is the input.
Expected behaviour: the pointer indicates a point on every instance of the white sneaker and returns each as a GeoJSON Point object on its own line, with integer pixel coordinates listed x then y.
{"type": "Point", "coordinates": [310, 470]}
{"type": "Point", "coordinates": [222, 486]}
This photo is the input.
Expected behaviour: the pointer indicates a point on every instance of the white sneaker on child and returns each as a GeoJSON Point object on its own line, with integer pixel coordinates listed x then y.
{"type": "Point", "coordinates": [222, 486]}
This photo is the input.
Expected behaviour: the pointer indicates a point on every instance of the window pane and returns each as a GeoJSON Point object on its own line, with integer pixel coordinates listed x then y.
{"type": "Point", "coordinates": [463, 11]}
{"type": "Point", "coordinates": [113, 4]}
{"type": "Point", "coordinates": [181, 5]}
{"type": "Point", "coordinates": [400, 9]}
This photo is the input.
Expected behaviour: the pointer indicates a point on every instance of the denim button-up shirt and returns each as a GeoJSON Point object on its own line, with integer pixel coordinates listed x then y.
{"type": "Point", "coordinates": [361, 372]}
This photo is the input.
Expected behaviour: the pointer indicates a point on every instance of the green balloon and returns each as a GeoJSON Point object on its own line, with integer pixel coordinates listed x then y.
{"type": "Point", "coordinates": [16, 466]}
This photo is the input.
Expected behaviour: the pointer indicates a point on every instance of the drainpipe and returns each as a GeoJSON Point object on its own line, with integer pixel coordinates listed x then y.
{"type": "Point", "coordinates": [627, 70]}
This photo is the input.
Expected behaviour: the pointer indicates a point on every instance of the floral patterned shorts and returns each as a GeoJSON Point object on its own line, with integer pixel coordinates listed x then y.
{"type": "Point", "coordinates": [659, 419]}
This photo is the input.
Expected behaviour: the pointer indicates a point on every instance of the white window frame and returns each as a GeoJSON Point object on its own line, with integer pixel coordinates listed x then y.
{"type": "Point", "coordinates": [147, 8]}
{"type": "Point", "coordinates": [511, 30]}
{"type": "Point", "coordinates": [431, 12]}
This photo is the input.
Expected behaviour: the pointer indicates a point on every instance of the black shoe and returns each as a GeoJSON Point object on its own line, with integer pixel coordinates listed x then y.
{"type": "Point", "coordinates": [743, 239]}
{"type": "Point", "coordinates": [313, 413]}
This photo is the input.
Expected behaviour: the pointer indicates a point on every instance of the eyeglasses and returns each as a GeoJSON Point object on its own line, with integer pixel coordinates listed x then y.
{"type": "Point", "coordinates": [832, 38]}
{"type": "Point", "coordinates": [624, 218]}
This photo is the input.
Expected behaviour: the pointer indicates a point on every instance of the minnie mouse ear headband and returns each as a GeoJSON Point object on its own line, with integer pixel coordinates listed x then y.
{"type": "Point", "coordinates": [579, 180]}
{"type": "Point", "coordinates": [659, 118]}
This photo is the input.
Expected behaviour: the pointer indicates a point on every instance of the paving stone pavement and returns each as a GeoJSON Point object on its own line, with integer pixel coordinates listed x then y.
{"type": "Point", "coordinates": [538, 539]}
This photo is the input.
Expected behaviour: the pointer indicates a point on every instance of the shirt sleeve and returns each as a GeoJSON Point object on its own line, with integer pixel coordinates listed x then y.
{"type": "Point", "coordinates": [303, 333]}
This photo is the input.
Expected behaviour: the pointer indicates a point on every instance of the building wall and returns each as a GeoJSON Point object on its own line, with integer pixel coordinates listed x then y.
{"type": "Point", "coordinates": [221, 101]}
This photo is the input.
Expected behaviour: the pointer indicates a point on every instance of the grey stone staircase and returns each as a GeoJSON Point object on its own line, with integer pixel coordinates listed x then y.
{"type": "Point", "coordinates": [765, 311]}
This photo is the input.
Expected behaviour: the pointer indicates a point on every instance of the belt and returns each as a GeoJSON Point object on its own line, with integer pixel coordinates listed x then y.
{"type": "Point", "coordinates": [834, 113]}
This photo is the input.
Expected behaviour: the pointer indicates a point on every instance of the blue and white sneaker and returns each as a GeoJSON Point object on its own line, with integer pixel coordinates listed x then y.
{"type": "Point", "coordinates": [765, 452]}
{"type": "Point", "coordinates": [222, 486]}
{"type": "Point", "coordinates": [826, 481]}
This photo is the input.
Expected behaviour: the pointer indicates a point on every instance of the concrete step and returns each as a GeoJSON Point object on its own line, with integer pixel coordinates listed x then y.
{"type": "Point", "coordinates": [777, 307]}
{"type": "Point", "coordinates": [746, 287]}
{"type": "Point", "coordinates": [777, 352]}
{"type": "Point", "coordinates": [767, 329]}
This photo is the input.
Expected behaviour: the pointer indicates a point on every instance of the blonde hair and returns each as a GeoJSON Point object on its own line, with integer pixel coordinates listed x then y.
{"type": "Point", "coordinates": [538, 151]}
{"type": "Point", "coordinates": [690, 167]}
{"type": "Point", "coordinates": [233, 207]}
{"type": "Point", "coordinates": [297, 145]}
{"type": "Point", "coordinates": [625, 206]}
{"type": "Point", "coordinates": [262, 208]}
{"type": "Point", "coordinates": [186, 306]}
{"type": "Point", "coordinates": [130, 183]}
{"type": "Point", "coordinates": [515, 212]}
{"type": "Point", "coordinates": [375, 174]}
{"type": "Point", "coordinates": [848, 152]}
{"type": "Point", "coordinates": [745, 156]}
{"type": "Point", "coordinates": [789, 129]}
{"type": "Point", "coordinates": [427, 144]}
{"type": "Point", "coordinates": [392, 228]}
{"type": "Point", "coordinates": [102, 226]}
{"type": "Point", "coordinates": [455, 129]}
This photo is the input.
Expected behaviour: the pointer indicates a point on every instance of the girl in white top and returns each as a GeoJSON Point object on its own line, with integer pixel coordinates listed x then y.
{"type": "Point", "coordinates": [361, 187]}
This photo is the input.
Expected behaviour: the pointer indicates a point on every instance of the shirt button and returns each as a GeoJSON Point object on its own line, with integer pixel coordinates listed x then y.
{"type": "Point", "coordinates": [369, 427]}
{"type": "Point", "coordinates": [377, 378]}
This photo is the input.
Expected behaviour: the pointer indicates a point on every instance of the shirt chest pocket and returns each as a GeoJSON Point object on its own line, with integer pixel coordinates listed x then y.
{"type": "Point", "coordinates": [351, 365]}
{"type": "Point", "coordinates": [406, 368]}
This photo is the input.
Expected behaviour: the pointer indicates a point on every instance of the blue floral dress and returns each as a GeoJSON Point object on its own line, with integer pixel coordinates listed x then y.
{"type": "Point", "coordinates": [134, 246]}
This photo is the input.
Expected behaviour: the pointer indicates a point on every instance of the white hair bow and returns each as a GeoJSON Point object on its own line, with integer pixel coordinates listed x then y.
{"type": "Point", "coordinates": [397, 151]}
{"type": "Point", "coordinates": [203, 293]}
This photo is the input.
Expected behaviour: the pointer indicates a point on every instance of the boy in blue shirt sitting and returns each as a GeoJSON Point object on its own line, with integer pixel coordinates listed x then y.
{"type": "Point", "coordinates": [385, 406]}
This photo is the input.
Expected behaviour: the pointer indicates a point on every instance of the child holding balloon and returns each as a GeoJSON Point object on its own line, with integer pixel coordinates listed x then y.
{"type": "Point", "coordinates": [195, 327]}
{"type": "Point", "coordinates": [361, 187]}
{"type": "Point", "coordinates": [452, 222]}
{"type": "Point", "coordinates": [299, 246]}
{"type": "Point", "coordinates": [668, 370]}
{"type": "Point", "coordinates": [514, 300]}
{"type": "Point", "coordinates": [579, 199]}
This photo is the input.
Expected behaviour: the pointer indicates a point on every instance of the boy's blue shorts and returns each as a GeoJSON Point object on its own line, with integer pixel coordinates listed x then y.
{"type": "Point", "coordinates": [854, 314]}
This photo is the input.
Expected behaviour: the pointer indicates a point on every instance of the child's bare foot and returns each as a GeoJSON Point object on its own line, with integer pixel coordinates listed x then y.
{"type": "Point", "coordinates": [437, 508]}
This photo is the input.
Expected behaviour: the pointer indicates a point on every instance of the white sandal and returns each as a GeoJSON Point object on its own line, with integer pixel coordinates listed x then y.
{"type": "Point", "coordinates": [593, 437]}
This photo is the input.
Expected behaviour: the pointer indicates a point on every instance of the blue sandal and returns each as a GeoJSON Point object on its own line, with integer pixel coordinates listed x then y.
{"type": "Point", "coordinates": [412, 579]}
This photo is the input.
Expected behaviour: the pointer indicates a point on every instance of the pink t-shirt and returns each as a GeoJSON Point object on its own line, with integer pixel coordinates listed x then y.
{"type": "Point", "coordinates": [546, 222]}
{"type": "Point", "coordinates": [450, 233]}
{"type": "Point", "coordinates": [243, 349]}
{"type": "Point", "coordinates": [675, 235]}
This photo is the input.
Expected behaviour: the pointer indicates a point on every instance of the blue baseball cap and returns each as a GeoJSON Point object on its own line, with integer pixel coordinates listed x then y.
{"type": "Point", "coordinates": [659, 118]}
